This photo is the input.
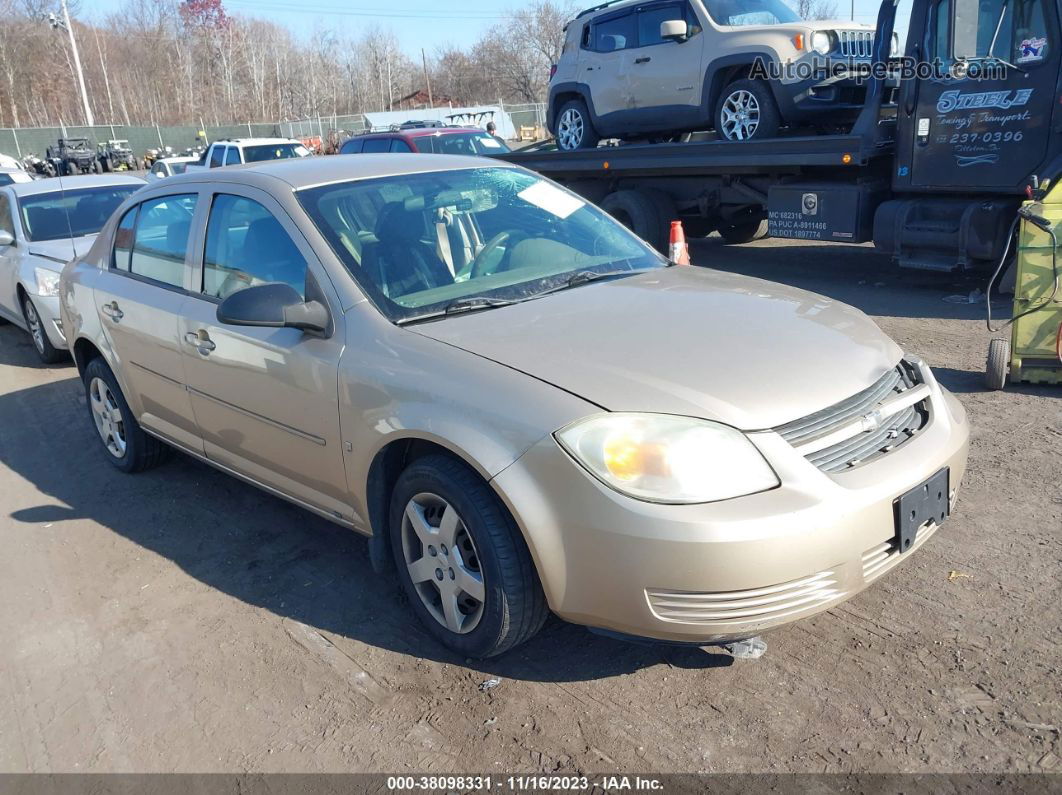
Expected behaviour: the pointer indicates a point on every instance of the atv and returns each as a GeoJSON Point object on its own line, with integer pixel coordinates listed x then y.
{"type": "Point", "coordinates": [72, 156]}
{"type": "Point", "coordinates": [115, 155]}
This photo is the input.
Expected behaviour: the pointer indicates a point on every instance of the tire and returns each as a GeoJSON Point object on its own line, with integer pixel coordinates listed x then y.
{"type": "Point", "coordinates": [575, 130]}
{"type": "Point", "coordinates": [753, 99]}
{"type": "Point", "coordinates": [97, 167]}
{"type": "Point", "coordinates": [745, 232]}
{"type": "Point", "coordinates": [647, 213]}
{"type": "Point", "coordinates": [47, 352]}
{"type": "Point", "coordinates": [140, 451]}
{"type": "Point", "coordinates": [71, 168]}
{"type": "Point", "coordinates": [998, 363]}
{"type": "Point", "coordinates": [488, 552]}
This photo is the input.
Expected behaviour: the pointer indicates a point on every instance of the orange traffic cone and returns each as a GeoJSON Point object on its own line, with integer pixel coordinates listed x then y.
{"type": "Point", "coordinates": [679, 252]}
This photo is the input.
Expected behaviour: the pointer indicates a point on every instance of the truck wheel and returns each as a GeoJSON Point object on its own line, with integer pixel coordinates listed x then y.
{"type": "Point", "coordinates": [998, 363]}
{"type": "Point", "coordinates": [647, 213]}
{"type": "Point", "coordinates": [746, 111]}
{"type": "Point", "coordinates": [574, 128]}
{"type": "Point", "coordinates": [71, 168]}
{"type": "Point", "coordinates": [745, 232]}
{"type": "Point", "coordinates": [461, 559]}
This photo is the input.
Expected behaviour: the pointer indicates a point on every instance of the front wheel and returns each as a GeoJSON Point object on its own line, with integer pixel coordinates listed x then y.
{"type": "Point", "coordinates": [47, 352]}
{"type": "Point", "coordinates": [575, 130]}
{"type": "Point", "coordinates": [124, 441]}
{"type": "Point", "coordinates": [461, 559]}
{"type": "Point", "coordinates": [746, 111]}
{"type": "Point", "coordinates": [71, 168]}
{"type": "Point", "coordinates": [998, 363]}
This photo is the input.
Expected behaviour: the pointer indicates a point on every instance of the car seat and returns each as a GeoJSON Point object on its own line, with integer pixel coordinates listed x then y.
{"type": "Point", "coordinates": [401, 263]}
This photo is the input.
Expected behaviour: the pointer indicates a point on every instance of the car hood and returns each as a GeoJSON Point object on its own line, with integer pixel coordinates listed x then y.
{"type": "Point", "coordinates": [60, 251]}
{"type": "Point", "coordinates": [750, 353]}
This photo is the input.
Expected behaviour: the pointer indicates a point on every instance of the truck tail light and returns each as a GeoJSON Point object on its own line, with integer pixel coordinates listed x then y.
{"type": "Point", "coordinates": [552, 70]}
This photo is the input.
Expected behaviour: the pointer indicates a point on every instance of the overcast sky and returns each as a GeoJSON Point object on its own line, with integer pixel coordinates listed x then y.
{"type": "Point", "coordinates": [417, 23]}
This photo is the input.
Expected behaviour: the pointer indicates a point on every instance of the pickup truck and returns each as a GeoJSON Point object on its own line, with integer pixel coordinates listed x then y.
{"type": "Point", "coordinates": [234, 151]}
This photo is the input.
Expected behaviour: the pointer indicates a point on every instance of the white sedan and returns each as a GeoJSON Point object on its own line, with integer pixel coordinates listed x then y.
{"type": "Point", "coordinates": [43, 225]}
{"type": "Point", "coordinates": [168, 166]}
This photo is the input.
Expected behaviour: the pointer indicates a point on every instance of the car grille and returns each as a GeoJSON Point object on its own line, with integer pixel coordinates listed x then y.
{"type": "Point", "coordinates": [856, 43]}
{"type": "Point", "coordinates": [758, 604]}
{"type": "Point", "coordinates": [865, 426]}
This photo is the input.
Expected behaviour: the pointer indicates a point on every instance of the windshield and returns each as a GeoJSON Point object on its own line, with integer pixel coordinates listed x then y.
{"type": "Point", "coordinates": [256, 154]}
{"type": "Point", "coordinates": [461, 144]}
{"type": "Point", "coordinates": [741, 13]}
{"type": "Point", "coordinates": [58, 215]}
{"type": "Point", "coordinates": [178, 168]}
{"type": "Point", "coordinates": [418, 243]}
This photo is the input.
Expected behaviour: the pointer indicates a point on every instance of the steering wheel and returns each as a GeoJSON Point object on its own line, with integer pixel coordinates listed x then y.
{"type": "Point", "coordinates": [479, 262]}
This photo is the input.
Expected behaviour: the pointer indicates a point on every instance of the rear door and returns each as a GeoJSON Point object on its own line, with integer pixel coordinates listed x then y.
{"type": "Point", "coordinates": [665, 75]}
{"type": "Point", "coordinates": [985, 122]}
{"type": "Point", "coordinates": [139, 299]}
{"type": "Point", "coordinates": [605, 66]}
{"type": "Point", "coordinates": [266, 400]}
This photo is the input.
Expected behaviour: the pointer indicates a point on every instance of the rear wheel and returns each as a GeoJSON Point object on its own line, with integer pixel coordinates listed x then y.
{"type": "Point", "coordinates": [746, 111]}
{"type": "Point", "coordinates": [461, 559]}
{"type": "Point", "coordinates": [998, 363]}
{"type": "Point", "coordinates": [745, 232]}
{"type": "Point", "coordinates": [124, 441]}
{"type": "Point", "coordinates": [574, 128]}
{"type": "Point", "coordinates": [48, 353]}
{"type": "Point", "coordinates": [647, 213]}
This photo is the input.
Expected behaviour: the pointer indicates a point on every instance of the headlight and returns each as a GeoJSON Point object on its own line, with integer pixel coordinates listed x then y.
{"type": "Point", "coordinates": [47, 281]}
{"type": "Point", "coordinates": [669, 459]}
{"type": "Point", "coordinates": [821, 42]}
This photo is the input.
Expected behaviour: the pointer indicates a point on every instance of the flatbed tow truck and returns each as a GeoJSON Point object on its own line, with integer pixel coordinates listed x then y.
{"type": "Point", "coordinates": [934, 179]}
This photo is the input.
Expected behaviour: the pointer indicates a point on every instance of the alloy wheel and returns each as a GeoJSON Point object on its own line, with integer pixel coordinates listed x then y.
{"type": "Point", "coordinates": [443, 563]}
{"type": "Point", "coordinates": [570, 130]}
{"type": "Point", "coordinates": [35, 327]}
{"type": "Point", "coordinates": [108, 417]}
{"type": "Point", "coordinates": [740, 115]}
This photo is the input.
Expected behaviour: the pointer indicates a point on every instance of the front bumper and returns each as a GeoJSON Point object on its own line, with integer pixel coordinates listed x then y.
{"type": "Point", "coordinates": [720, 571]}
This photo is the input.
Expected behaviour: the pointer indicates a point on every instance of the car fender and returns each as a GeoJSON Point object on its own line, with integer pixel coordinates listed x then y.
{"type": "Point", "coordinates": [718, 68]}
{"type": "Point", "coordinates": [568, 87]}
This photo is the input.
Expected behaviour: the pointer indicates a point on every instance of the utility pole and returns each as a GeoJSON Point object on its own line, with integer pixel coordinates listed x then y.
{"type": "Point", "coordinates": [65, 23]}
{"type": "Point", "coordinates": [427, 79]}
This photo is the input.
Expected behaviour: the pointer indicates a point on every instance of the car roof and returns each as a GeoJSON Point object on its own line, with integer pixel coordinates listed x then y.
{"type": "Point", "coordinates": [305, 172]}
{"type": "Point", "coordinates": [419, 132]}
{"type": "Point", "coordinates": [256, 141]}
{"type": "Point", "coordinates": [52, 184]}
{"type": "Point", "coordinates": [178, 159]}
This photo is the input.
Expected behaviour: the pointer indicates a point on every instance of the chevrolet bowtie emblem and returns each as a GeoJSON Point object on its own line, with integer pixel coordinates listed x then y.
{"type": "Point", "coordinates": [871, 422]}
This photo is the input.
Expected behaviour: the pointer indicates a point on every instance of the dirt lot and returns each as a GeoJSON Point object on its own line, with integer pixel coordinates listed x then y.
{"type": "Point", "coordinates": [180, 620]}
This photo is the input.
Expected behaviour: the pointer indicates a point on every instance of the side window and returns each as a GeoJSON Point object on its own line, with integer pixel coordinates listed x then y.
{"type": "Point", "coordinates": [158, 168]}
{"type": "Point", "coordinates": [216, 156]}
{"type": "Point", "coordinates": [649, 21]}
{"type": "Point", "coordinates": [584, 42]}
{"type": "Point", "coordinates": [398, 145]}
{"type": "Point", "coordinates": [376, 145]}
{"type": "Point", "coordinates": [245, 247]}
{"type": "Point", "coordinates": [6, 223]}
{"type": "Point", "coordinates": [160, 240]}
{"type": "Point", "coordinates": [232, 156]}
{"type": "Point", "coordinates": [123, 239]}
{"type": "Point", "coordinates": [617, 33]}
{"type": "Point", "coordinates": [351, 147]}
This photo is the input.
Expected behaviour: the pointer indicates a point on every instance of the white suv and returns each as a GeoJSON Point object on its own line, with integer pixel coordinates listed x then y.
{"type": "Point", "coordinates": [744, 68]}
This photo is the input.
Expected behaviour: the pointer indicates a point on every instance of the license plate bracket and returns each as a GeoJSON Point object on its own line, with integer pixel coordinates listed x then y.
{"type": "Point", "coordinates": [925, 502]}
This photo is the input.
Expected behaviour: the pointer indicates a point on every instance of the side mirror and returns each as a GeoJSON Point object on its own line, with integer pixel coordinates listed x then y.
{"type": "Point", "coordinates": [273, 306]}
{"type": "Point", "coordinates": [674, 29]}
{"type": "Point", "coordinates": [6, 238]}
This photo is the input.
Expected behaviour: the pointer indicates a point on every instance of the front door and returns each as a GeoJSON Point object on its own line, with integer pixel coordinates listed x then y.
{"type": "Point", "coordinates": [139, 299]}
{"type": "Point", "coordinates": [265, 399]}
{"type": "Point", "coordinates": [985, 120]}
{"type": "Point", "coordinates": [665, 75]}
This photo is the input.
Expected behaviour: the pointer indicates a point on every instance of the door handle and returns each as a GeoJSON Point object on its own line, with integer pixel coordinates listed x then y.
{"type": "Point", "coordinates": [112, 311]}
{"type": "Point", "coordinates": [645, 59]}
{"type": "Point", "coordinates": [200, 341]}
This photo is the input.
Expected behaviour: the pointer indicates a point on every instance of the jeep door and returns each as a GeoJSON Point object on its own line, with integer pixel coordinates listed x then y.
{"type": "Point", "coordinates": [266, 400]}
{"type": "Point", "coordinates": [990, 124]}
{"type": "Point", "coordinates": [139, 299]}
{"type": "Point", "coordinates": [604, 67]}
{"type": "Point", "coordinates": [666, 75]}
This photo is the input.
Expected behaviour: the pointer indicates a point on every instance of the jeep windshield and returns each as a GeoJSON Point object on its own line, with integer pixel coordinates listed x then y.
{"type": "Point", "coordinates": [425, 245]}
{"type": "Point", "coordinates": [57, 215]}
{"type": "Point", "coordinates": [256, 154]}
{"type": "Point", "coordinates": [743, 13]}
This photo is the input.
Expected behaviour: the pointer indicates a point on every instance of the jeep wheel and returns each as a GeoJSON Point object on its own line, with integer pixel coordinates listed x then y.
{"type": "Point", "coordinates": [574, 128]}
{"type": "Point", "coordinates": [746, 111]}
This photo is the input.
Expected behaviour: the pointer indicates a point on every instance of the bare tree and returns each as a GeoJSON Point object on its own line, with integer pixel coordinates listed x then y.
{"type": "Point", "coordinates": [816, 9]}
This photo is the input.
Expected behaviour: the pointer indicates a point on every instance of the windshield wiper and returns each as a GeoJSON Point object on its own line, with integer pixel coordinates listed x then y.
{"type": "Point", "coordinates": [457, 306]}
{"type": "Point", "coordinates": [585, 277]}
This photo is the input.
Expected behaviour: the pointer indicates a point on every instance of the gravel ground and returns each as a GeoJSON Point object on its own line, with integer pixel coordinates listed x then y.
{"type": "Point", "coordinates": [180, 620]}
